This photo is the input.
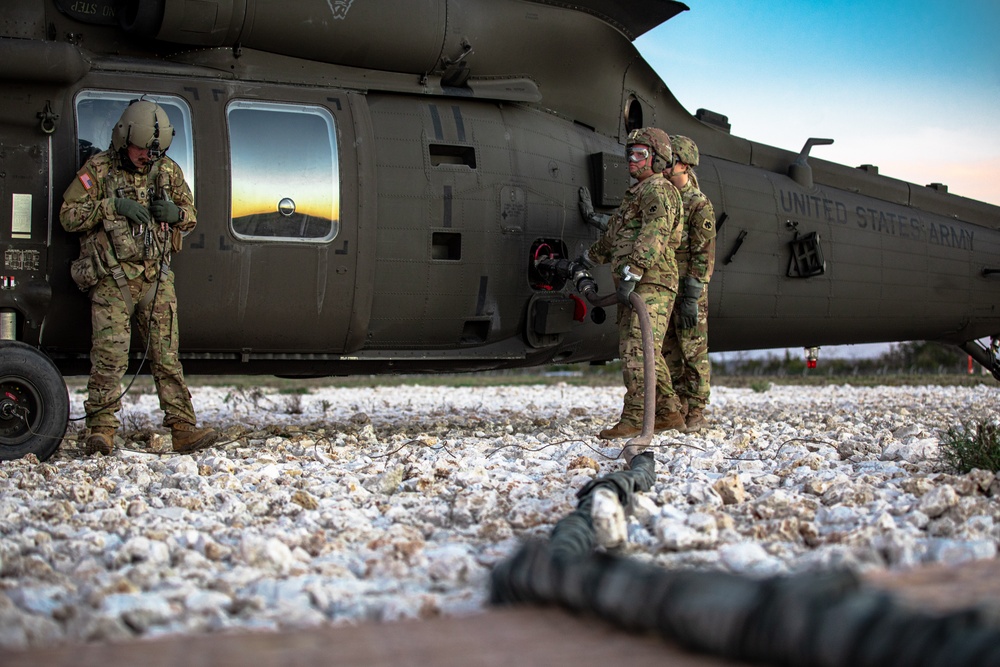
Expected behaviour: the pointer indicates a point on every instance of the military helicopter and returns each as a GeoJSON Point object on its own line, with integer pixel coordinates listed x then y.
{"type": "Point", "coordinates": [377, 181]}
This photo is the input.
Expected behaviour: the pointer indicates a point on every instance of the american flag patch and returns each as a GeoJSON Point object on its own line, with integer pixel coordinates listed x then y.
{"type": "Point", "coordinates": [87, 181]}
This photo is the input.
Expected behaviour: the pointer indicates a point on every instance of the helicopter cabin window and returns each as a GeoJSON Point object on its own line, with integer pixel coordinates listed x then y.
{"type": "Point", "coordinates": [285, 171]}
{"type": "Point", "coordinates": [97, 111]}
{"type": "Point", "coordinates": [633, 114]}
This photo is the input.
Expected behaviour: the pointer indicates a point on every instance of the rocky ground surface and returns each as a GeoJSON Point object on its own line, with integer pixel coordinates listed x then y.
{"type": "Point", "coordinates": [344, 505]}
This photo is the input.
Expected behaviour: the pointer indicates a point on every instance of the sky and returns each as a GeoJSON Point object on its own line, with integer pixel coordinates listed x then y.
{"type": "Point", "coordinates": [911, 86]}
{"type": "Point", "coordinates": [283, 152]}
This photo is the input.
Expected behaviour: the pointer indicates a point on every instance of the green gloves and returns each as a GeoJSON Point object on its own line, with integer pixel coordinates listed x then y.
{"type": "Point", "coordinates": [165, 210]}
{"type": "Point", "coordinates": [627, 284]}
{"type": "Point", "coordinates": [691, 289]}
{"type": "Point", "coordinates": [586, 204]}
{"type": "Point", "coordinates": [625, 289]}
{"type": "Point", "coordinates": [599, 220]}
{"type": "Point", "coordinates": [132, 210]}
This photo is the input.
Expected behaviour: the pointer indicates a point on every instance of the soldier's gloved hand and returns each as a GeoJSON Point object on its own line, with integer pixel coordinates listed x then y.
{"type": "Point", "coordinates": [599, 220]}
{"type": "Point", "coordinates": [630, 278]}
{"type": "Point", "coordinates": [165, 210]}
{"type": "Point", "coordinates": [625, 289]}
{"type": "Point", "coordinates": [586, 204]}
{"type": "Point", "coordinates": [691, 289]}
{"type": "Point", "coordinates": [132, 210]}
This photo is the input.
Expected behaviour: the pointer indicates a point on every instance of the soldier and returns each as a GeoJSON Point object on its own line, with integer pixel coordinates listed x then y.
{"type": "Point", "coordinates": [132, 204]}
{"type": "Point", "coordinates": [686, 345]}
{"type": "Point", "coordinates": [639, 244]}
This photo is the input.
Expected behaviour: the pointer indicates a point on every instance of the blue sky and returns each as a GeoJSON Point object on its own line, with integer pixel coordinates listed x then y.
{"type": "Point", "coordinates": [911, 86]}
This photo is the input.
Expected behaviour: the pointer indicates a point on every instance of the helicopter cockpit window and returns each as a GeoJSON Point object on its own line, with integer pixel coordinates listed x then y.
{"type": "Point", "coordinates": [97, 111]}
{"type": "Point", "coordinates": [285, 170]}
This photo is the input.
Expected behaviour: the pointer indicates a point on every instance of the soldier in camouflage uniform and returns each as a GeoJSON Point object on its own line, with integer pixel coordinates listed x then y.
{"type": "Point", "coordinates": [132, 204]}
{"type": "Point", "coordinates": [639, 244]}
{"type": "Point", "coordinates": [686, 345]}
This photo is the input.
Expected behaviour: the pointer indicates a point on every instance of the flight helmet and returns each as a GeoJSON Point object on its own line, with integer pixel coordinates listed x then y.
{"type": "Point", "coordinates": [144, 124]}
{"type": "Point", "coordinates": [685, 150]}
{"type": "Point", "coordinates": [656, 139]}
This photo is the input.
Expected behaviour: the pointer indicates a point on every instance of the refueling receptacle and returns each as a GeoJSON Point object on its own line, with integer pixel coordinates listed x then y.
{"type": "Point", "coordinates": [551, 270]}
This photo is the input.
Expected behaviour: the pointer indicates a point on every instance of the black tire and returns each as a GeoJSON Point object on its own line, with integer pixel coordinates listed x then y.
{"type": "Point", "coordinates": [34, 403]}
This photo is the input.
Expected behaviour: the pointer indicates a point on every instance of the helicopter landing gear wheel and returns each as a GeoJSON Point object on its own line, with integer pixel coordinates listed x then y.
{"type": "Point", "coordinates": [34, 403]}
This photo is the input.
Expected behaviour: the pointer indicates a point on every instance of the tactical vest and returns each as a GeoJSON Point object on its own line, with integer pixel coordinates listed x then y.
{"type": "Point", "coordinates": [103, 248]}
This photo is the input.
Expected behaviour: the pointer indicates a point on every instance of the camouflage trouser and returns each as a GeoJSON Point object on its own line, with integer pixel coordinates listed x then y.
{"type": "Point", "coordinates": [686, 352]}
{"type": "Point", "coordinates": [659, 303]}
{"type": "Point", "coordinates": [112, 333]}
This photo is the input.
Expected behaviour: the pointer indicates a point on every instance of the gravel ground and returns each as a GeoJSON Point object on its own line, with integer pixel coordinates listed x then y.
{"type": "Point", "coordinates": [345, 505]}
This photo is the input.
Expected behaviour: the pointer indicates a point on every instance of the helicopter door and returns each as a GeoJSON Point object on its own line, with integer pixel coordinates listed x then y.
{"type": "Point", "coordinates": [287, 264]}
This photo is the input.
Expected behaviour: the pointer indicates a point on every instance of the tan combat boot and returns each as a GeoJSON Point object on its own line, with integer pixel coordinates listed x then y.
{"type": "Point", "coordinates": [670, 421]}
{"type": "Point", "coordinates": [619, 430]}
{"type": "Point", "coordinates": [190, 438]}
{"type": "Point", "coordinates": [101, 439]}
{"type": "Point", "coordinates": [695, 420]}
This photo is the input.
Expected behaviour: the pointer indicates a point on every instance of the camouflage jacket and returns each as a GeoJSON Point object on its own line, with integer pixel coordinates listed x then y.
{"type": "Point", "coordinates": [644, 232]}
{"type": "Point", "coordinates": [89, 207]}
{"type": "Point", "coordinates": [696, 253]}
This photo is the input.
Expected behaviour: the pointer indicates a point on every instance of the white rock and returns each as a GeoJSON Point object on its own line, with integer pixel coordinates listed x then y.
{"type": "Point", "coordinates": [901, 549]}
{"type": "Point", "coordinates": [730, 489]}
{"type": "Point", "coordinates": [608, 516]}
{"type": "Point", "coordinates": [140, 549]}
{"type": "Point", "coordinates": [43, 599]}
{"type": "Point", "coordinates": [749, 558]}
{"type": "Point", "coordinates": [643, 508]}
{"type": "Point", "coordinates": [183, 465]}
{"type": "Point", "coordinates": [676, 536]}
{"type": "Point", "coordinates": [938, 501]}
{"type": "Point", "coordinates": [206, 601]}
{"type": "Point", "coordinates": [701, 493]}
{"type": "Point", "coordinates": [453, 564]}
{"type": "Point", "coordinates": [139, 610]}
{"type": "Point", "coordinates": [272, 553]}
{"type": "Point", "coordinates": [914, 451]}
{"type": "Point", "coordinates": [953, 552]}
